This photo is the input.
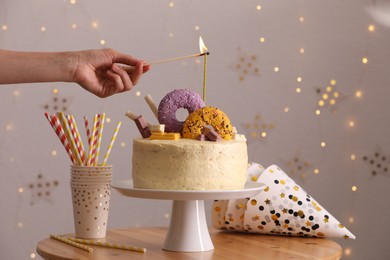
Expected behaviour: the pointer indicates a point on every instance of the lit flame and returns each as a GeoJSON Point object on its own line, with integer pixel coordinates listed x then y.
{"type": "Point", "coordinates": [202, 47]}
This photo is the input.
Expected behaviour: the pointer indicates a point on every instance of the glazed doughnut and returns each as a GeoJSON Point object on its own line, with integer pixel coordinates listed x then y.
{"type": "Point", "coordinates": [174, 100]}
{"type": "Point", "coordinates": [199, 119]}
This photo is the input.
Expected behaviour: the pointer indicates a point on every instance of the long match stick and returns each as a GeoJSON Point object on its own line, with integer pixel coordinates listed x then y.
{"type": "Point", "coordinates": [177, 58]}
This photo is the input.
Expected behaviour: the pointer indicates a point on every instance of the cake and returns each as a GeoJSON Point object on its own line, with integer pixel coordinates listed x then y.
{"type": "Point", "coordinates": [202, 153]}
{"type": "Point", "coordinates": [188, 164]}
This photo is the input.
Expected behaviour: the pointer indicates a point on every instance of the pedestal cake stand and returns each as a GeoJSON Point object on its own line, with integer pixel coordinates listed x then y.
{"type": "Point", "coordinates": [187, 230]}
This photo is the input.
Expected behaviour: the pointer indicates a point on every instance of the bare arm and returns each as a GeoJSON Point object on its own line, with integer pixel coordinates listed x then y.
{"type": "Point", "coordinates": [97, 71]}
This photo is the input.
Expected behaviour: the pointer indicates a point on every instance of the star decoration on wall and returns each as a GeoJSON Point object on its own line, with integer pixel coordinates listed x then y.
{"type": "Point", "coordinates": [258, 130]}
{"type": "Point", "coordinates": [56, 103]}
{"type": "Point", "coordinates": [42, 189]}
{"type": "Point", "coordinates": [246, 65]}
{"type": "Point", "coordinates": [379, 163]}
{"type": "Point", "coordinates": [329, 97]}
{"type": "Point", "coordinates": [298, 166]}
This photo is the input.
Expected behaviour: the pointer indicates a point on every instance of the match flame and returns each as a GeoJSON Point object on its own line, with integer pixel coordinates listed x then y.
{"type": "Point", "coordinates": [202, 47]}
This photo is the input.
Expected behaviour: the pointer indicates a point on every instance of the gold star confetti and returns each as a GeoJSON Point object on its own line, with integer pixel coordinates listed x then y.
{"type": "Point", "coordinates": [258, 130]}
{"type": "Point", "coordinates": [298, 166]}
{"type": "Point", "coordinates": [56, 102]}
{"type": "Point", "coordinates": [42, 189]}
{"type": "Point", "coordinates": [329, 97]}
{"type": "Point", "coordinates": [378, 162]}
{"type": "Point", "coordinates": [246, 65]}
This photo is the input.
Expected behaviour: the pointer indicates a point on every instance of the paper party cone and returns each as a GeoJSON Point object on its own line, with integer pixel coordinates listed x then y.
{"type": "Point", "coordinates": [229, 214]}
{"type": "Point", "coordinates": [254, 171]}
{"type": "Point", "coordinates": [218, 214]}
{"type": "Point", "coordinates": [234, 216]}
{"type": "Point", "coordinates": [284, 208]}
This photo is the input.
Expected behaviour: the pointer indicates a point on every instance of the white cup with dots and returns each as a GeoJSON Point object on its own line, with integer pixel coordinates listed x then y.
{"type": "Point", "coordinates": [91, 190]}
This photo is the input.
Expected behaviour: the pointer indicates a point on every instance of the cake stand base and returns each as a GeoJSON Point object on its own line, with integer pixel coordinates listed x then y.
{"type": "Point", "coordinates": [188, 230]}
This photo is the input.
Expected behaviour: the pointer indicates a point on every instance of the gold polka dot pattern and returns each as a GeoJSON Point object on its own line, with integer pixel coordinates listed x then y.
{"type": "Point", "coordinates": [283, 208]}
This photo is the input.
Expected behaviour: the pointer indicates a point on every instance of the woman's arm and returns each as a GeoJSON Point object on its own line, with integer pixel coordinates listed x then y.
{"type": "Point", "coordinates": [97, 71]}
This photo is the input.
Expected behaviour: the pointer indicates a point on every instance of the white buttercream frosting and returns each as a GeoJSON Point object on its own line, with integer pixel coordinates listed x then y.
{"type": "Point", "coordinates": [188, 164]}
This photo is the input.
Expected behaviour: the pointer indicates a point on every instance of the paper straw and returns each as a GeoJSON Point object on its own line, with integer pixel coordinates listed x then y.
{"type": "Point", "coordinates": [108, 245]}
{"type": "Point", "coordinates": [93, 136]}
{"type": "Point", "coordinates": [54, 122]}
{"type": "Point", "coordinates": [72, 243]}
{"type": "Point", "coordinates": [111, 143]}
{"type": "Point", "coordinates": [76, 137]}
{"type": "Point", "coordinates": [88, 132]}
{"type": "Point", "coordinates": [152, 105]}
{"type": "Point", "coordinates": [99, 139]}
{"type": "Point", "coordinates": [68, 133]}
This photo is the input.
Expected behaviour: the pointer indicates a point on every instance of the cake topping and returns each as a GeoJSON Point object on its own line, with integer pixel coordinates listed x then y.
{"type": "Point", "coordinates": [212, 135]}
{"type": "Point", "coordinates": [201, 118]}
{"type": "Point", "coordinates": [142, 126]}
{"type": "Point", "coordinates": [204, 123]}
{"type": "Point", "coordinates": [174, 100]}
{"type": "Point", "coordinates": [164, 136]}
{"type": "Point", "coordinates": [157, 128]}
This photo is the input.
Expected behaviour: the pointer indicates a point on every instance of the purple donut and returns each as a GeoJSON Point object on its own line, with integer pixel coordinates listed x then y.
{"type": "Point", "coordinates": [174, 100]}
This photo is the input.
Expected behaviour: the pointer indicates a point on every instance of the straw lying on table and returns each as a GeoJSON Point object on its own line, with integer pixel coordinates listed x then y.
{"type": "Point", "coordinates": [108, 245]}
{"type": "Point", "coordinates": [72, 243]}
{"type": "Point", "coordinates": [67, 132]}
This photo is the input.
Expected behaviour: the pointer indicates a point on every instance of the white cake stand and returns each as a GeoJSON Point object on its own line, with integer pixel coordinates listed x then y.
{"type": "Point", "coordinates": [187, 230]}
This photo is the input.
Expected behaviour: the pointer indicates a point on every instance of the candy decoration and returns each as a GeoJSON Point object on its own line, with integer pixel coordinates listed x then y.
{"type": "Point", "coordinates": [152, 105]}
{"type": "Point", "coordinates": [212, 135]}
{"type": "Point", "coordinates": [165, 136]}
{"type": "Point", "coordinates": [142, 126]}
{"type": "Point", "coordinates": [283, 208]}
{"type": "Point", "coordinates": [201, 118]}
{"type": "Point", "coordinates": [174, 100]}
{"type": "Point", "coordinates": [157, 128]}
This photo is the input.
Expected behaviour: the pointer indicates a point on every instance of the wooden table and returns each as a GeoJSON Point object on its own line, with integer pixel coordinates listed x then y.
{"type": "Point", "coordinates": [228, 245]}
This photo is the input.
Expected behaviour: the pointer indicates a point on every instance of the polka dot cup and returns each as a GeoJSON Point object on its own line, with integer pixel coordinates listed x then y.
{"type": "Point", "coordinates": [91, 200]}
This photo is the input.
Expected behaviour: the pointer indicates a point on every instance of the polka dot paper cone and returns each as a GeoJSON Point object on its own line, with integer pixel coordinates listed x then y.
{"type": "Point", "coordinates": [218, 216]}
{"type": "Point", "coordinates": [229, 214]}
{"type": "Point", "coordinates": [284, 208]}
{"type": "Point", "coordinates": [234, 216]}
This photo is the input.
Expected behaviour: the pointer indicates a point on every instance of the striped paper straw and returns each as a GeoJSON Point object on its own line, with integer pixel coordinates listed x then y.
{"type": "Point", "coordinates": [72, 243]}
{"type": "Point", "coordinates": [92, 142]}
{"type": "Point", "coordinates": [76, 137]}
{"type": "Point", "coordinates": [95, 134]}
{"type": "Point", "coordinates": [68, 133]}
{"type": "Point", "coordinates": [55, 124]}
{"type": "Point", "coordinates": [111, 143]}
{"type": "Point", "coordinates": [88, 132]}
{"type": "Point", "coordinates": [99, 139]}
{"type": "Point", "coordinates": [108, 245]}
